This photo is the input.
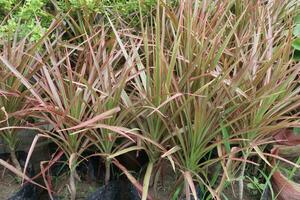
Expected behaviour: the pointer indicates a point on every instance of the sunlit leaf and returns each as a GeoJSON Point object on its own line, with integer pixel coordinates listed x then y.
{"type": "Point", "coordinates": [296, 44]}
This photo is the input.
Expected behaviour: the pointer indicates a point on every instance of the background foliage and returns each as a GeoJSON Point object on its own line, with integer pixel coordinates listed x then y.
{"type": "Point", "coordinates": [200, 85]}
{"type": "Point", "coordinates": [33, 16]}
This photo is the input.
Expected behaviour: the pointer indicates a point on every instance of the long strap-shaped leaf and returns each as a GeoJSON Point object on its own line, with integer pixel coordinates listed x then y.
{"type": "Point", "coordinates": [9, 66]}
{"type": "Point", "coordinates": [92, 121]}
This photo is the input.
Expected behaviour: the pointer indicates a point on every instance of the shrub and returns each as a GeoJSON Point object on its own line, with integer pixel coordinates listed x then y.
{"type": "Point", "coordinates": [34, 16]}
{"type": "Point", "coordinates": [200, 85]}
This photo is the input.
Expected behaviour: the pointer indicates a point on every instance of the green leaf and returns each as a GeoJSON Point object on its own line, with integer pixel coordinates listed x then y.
{"type": "Point", "coordinates": [261, 186]}
{"type": "Point", "coordinates": [296, 56]}
{"type": "Point", "coordinates": [251, 186]}
{"type": "Point", "coordinates": [296, 44]}
{"type": "Point", "coordinates": [226, 138]}
{"type": "Point", "coordinates": [297, 19]}
{"type": "Point", "coordinates": [296, 130]}
{"type": "Point", "coordinates": [296, 31]}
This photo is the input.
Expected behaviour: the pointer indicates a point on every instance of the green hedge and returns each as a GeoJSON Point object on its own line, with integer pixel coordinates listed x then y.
{"type": "Point", "coordinates": [23, 13]}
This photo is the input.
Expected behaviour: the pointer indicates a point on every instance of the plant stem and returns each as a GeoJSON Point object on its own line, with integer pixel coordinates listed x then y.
{"type": "Point", "coordinates": [241, 181]}
{"type": "Point", "coordinates": [147, 180]}
{"type": "Point", "coordinates": [15, 160]}
{"type": "Point", "coordinates": [107, 172]}
{"type": "Point", "coordinates": [187, 190]}
{"type": "Point", "coordinates": [73, 184]}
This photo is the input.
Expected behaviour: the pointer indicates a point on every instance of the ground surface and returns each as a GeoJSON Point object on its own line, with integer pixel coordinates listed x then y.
{"type": "Point", "coordinates": [84, 188]}
{"type": "Point", "coordinates": [231, 193]}
{"type": "Point", "coordinates": [164, 185]}
{"type": "Point", "coordinates": [8, 184]}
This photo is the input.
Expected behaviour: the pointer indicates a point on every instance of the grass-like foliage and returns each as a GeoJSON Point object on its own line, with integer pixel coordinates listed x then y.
{"type": "Point", "coordinates": [203, 85]}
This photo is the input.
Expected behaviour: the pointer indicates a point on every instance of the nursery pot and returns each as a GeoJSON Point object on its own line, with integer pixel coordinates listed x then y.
{"type": "Point", "coordinates": [288, 146]}
{"type": "Point", "coordinates": [116, 190]}
{"type": "Point", "coordinates": [285, 188]}
{"type": "Point", "coordinates": [27, 191]}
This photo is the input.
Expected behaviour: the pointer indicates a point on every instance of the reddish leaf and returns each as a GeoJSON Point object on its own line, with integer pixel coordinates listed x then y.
{"type": "Point", "coordinates": [285, 188]}
{"type": "Point", "coordinates": [287, 137]}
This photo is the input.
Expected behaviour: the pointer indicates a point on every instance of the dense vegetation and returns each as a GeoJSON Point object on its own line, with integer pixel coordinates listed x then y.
{"type": "Point", "coordinates": [204, 86]}
{"type": "Point", "coordinates": [35, 16]}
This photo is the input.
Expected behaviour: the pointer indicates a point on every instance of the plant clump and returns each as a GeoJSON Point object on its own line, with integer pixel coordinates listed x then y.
{"type": "Point", "coordinates": [165, 99]}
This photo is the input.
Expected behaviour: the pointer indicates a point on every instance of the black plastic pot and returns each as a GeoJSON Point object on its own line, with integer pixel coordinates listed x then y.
{"type": "Point", "coordinates": [92, 168]}
{"type": "Point", "coordinates": [28, 191]}
{"type": "Point", "coordinates": [116, 190]}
